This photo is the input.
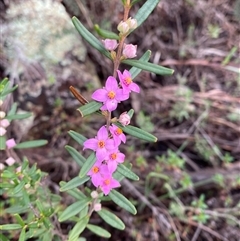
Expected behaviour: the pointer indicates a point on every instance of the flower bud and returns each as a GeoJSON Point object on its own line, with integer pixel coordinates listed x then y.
{"type": "Point", "coordinates": [124, 119]}
{"type": "Point", "coordinates": [123, 27]}
{"type": "Point", "coordinates": [110, 44]}
{"type": "Point", "coordinates": [1, 166]}
{"type": "Point", "coordinates": [94, 194]}
{"type": "Point", "coordinates": [132, 23]}
{"type": "Point", "coordinates": [2, 114]}
{"type": "Point", "coordinates": [10, 143]}
{"type": "Point", "coordinates": [10, 161]}
{"type": "Point", "coordinates": [97, 207]}
{"type": "Point", "coordinates": [1, 102]}
{"type": "Point", "coordinates": [129, 51]}
{"type": "Point", "coordinates": [4, 123]}
{"type": "Point", "coordinates": [2, 131]}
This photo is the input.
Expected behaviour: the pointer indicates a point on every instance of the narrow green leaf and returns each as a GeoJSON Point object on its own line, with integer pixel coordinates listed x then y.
{"type": "Point", "coordinates": [80, 139]}
{"type": "Point", "coordinates": [99, 231]}
{"type": "Point", "coordinates": [90, 38]}
{"type": "Point", "coordinates": [18, 116]}
{"type": "Point", "coordinates": [76, 155]}
{"type": "Point", "coordinates": [135, 71]}
{"type": "Point", "coordinates": [154, 68]}
{"type": "Point", "coordinates": [122, 202]}
{"type": "Point", "coordinates": [145, 11]}
{"type": "Point", "coordinates": [8, 91]}
{"type": "Point", "coordinates": [31, 144]}
{"type": "Point", "coordinates": [78, 228]}
{"type": "Point", "coordinates": [22, 235]}
{"type": "Point", "coordinates": [134, 2]}
{"type": "Point", "coordinates": [89, 108]}
{"type": "Point", "coordinates": [2, 142]}
{"type": "Point", "coordinates": [13, 226]}
{"type": "Point", "coordinates": [75, 182]}
{"type": "Point", "coordinates": [130, 113]}
{"type": "Point", "coordinates": [127, 172]}
{"type": "Point", "coordinates": [118, 176]}
{"type": "Point", "coordinates": [111, 219]}
{"type": "Point", "coordinates": [105, 33]}
{"type": "Point", "coordinates": [13, 109]}
{"type": "Point", "coordinates": [17, 209]}
{"type": "Point", "coordinates": [87, 165]}
{"type": "Point", "coordinates": [137, 132]}
{"type": "Point", "coordinates": [18, 188]}
{"type": "Point", "coordinates": [76, 193]}
{"type": "Point", "coordinates": [19, 219]}
{"type": "Point", "coordinates": [3, 237]}
{"type": "Point", "coordinates": [73, 209]}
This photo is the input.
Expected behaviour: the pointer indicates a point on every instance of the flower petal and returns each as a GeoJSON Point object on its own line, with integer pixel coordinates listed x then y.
{"type": "Point", "coordinates": [111, 83]}
{"type": "Point", "coordinates": [102, 133]}
{"type": "Point", "coordinates": [100, 95]}
{"type": "Point", "coordinates": [134, 87]}
{"type": "Point", "coordinates": [111, 105]}
{"type": "Point", "coordinates": [90, 144]}
{"type": "Point", "coordinates": [121, 96]}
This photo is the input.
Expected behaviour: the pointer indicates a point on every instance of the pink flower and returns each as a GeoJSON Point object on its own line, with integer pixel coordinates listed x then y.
{"type": "Point", "coordinates": [129, 51]}
{"type": "Point", "coordinates": [110, 44]}
{"type": "Point", "coordinates": [4, 123]}
{"type": "Point", "coordinates": [124, 119]}
{"type": "Point", "coordinates": [2, 131]}
{"type": "Point", "coordinates": [10, 161]}
{"type": "Point", "coordinates": [108, 183]}
{"type": "Point", "coordinates": [111, 95]}
{"type": "Point", "coordinates": [10, 143]}
{"type": "Point", "coordinates": [117, 134]}
{"type": "Point", "coordinates": [101, 144]}
{"type": "Point", "coordinates": [126, 81]}
{"type": "Point", "coordinates": [114, 158]}
{"type": "Point", "coordinates": [97, 207]}
{"type": "Point", "coordinates": [96, 173]}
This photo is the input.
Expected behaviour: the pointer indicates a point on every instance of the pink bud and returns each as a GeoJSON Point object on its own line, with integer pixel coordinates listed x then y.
{"type": "Point", "coordinates": [97, 207]}
{"type": "Point", "coordinates": [10, 143]}
{"type": "Point", "coordinates": [2, 131]}
{"type": "Point", "coordinates": [132, 23]}
{"type": "Point", "coordinates": [129, 51]}
{"type": "Point", "coordinates": [124, 119]}
{"type": "Point", "coordinates": [123, 27]}
{"type": "Point", "coordinates": [110, 44]}
{"type": "Point", "coordinates": [4, 123]}
{"type": "Point", "coordinates": [10, 161]}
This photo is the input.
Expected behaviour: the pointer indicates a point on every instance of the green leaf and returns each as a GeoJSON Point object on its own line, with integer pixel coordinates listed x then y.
{"type": "Point", "coordinates": [8, 91]}
{"type": "Point", "coordinates": [154, 68]}
{"type": "Point", "coordinates": [130, 113]}
{"type": "Point", "coordinates": [22, 235]}
{"type": "Point", "coordinates": [90, 38]}
{"type": "Point", "coordinates": [76, 155]}
{"type": "Point", "coordinates": [99, 231]}
{"type": "Point", "coordinates": [2, 142]}
{"type": "Point", "coordinates": [76, 193]}
{"type": "Point", "coordinates": [3, 237]}
{"type": "Point", "coordinates": [31, 144]}
{"type": "Point", "coordinates": [127, 172]}
{"type": "Point", "coordinates": [80, 139]}
{"type": "Point", "coordinates": [111, 219]}
{"type": "Point", "coordinates": [134, 2]}
{"type": "Point", "coordinates": [122, 202]}
{"type": "Point", "coordinates": [73, 209]}
{"type": "Point", "coordinates": [118, 176]}
{"type": "Point", "coordinates": [78, 228]}
{"type": "Point", "coordinates": [13, 109]}
{"type": "Point", "coordinates": [135, 71]}
{"type": "Point", "coordinates": [89, 108]}
{"type": "Point", "coordinates": [18, 116]}
{"type": "Point", "coordinates": [13, 226]}
{"type": "Point", "coordinates": [17, 209]}
{"type": "Point", "coordinates": [145, 11]}
{"type": "Point", "coordinates": [19, 219]}
{"type": "Point", "coordinates": [105, 33]}
{"type": "Point", "coordinates": [75, 182]}
{"type": "Point", "coordinates": [18, 188]}
{"type": "Point", "coordinates": [87, 165]}
{"type": "Point", "coordinates": [137, 132]}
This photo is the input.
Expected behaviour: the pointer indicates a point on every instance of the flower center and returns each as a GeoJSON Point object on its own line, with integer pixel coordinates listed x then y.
{"type": "Point", "coordinates": [118, 131]}
{"type": "Point", "coordinates": [95, 169]}
{"type": "Point", "coordinates": [113, 156]}
{"type": "Point", "coordinates": [107, 181]}
{"type": "Point", "coordinates": [101, 144]}
{"type": "Point", "coordinates": [128, 81]}
{"type": "Point", "coordinates": [111, 94]}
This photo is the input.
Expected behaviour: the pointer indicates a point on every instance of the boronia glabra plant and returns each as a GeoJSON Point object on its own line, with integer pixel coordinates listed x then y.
{"type": "Point", "coordinates": [105, 167]}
